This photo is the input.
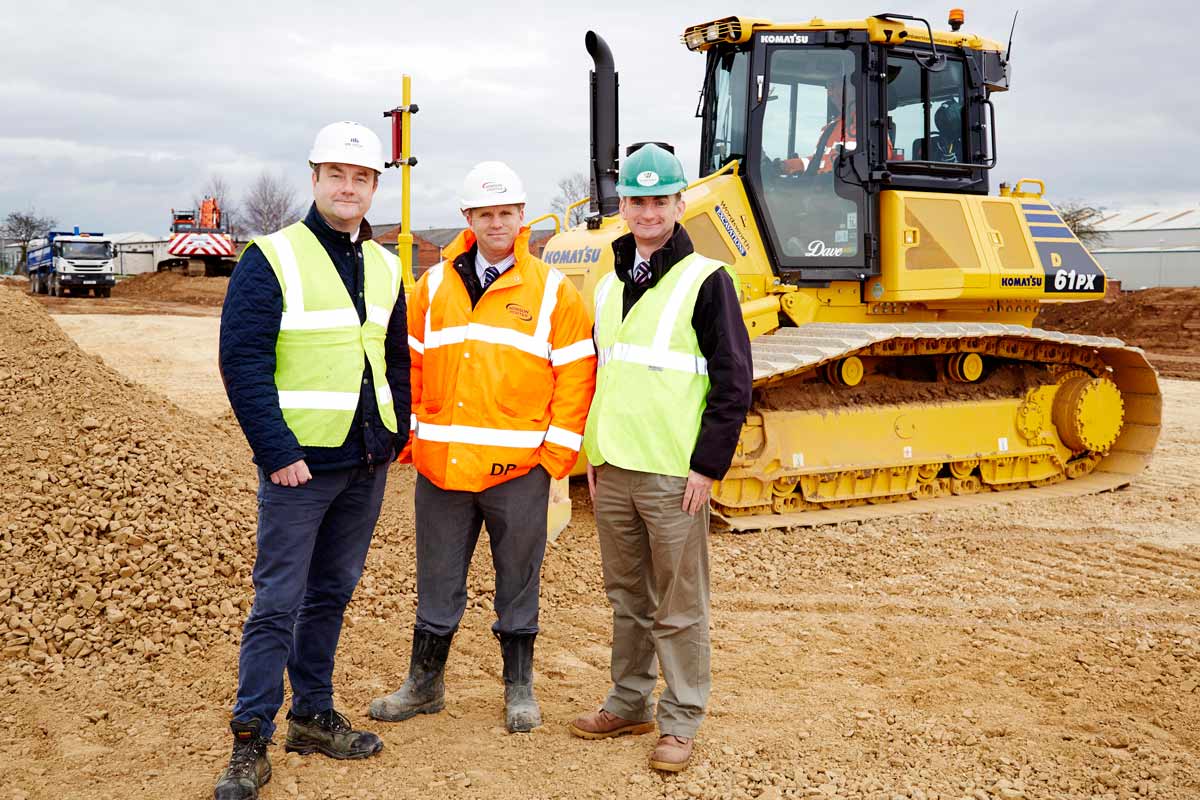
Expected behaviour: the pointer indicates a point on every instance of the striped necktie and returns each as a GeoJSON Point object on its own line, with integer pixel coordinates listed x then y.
{"type": "Point", "coordinates": [490, 274]}
{"type": "Point", "coordinates": [641, 274]}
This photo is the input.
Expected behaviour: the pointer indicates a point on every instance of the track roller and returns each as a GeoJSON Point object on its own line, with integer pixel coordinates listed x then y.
{"type": "Point", "coordinates": [846, 371]}
{"type": "Point", "coordinates": [965, 367]}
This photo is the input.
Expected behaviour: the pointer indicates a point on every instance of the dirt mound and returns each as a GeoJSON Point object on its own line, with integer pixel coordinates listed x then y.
{"type": "Point", "coordinates": [1163, 321]}
{"type": "Point", "coordinates": [173, 287]}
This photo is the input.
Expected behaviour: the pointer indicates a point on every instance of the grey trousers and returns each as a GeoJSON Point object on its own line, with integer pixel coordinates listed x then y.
{"type": "Point", "coordinates": [655, 560]}
{"type": "Point", "coordinates": [448, 524]}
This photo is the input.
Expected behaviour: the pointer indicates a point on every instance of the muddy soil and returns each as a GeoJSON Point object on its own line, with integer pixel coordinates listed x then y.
{"type": "Point", "coordinates": [1163, 321]}
{"type": "Point", "coordinates": [173, 287]}
{"type": "Point", "coordinates": [151, 293]}
{"type": "Point", "coordinates": [1033, 650]}
{"type": "Point", "coordinates": [134, 306]}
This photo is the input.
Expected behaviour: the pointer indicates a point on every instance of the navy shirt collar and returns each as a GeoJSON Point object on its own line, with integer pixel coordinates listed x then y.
{"type": "Point", "coordinates": [317, 224]}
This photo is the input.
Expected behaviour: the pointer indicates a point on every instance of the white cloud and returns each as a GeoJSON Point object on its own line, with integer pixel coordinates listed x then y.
{"type": "Point", "coordinates": [111, 120]}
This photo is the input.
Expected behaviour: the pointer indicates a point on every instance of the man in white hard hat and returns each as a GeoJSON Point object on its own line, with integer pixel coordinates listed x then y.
{"type": "Point", "coordinates": [315, 361]}
{"type": "Point", "coordinates": [503, 373]}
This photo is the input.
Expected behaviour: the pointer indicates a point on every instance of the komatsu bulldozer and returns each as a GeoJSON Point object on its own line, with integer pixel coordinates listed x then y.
{"type": "Point", "coordinates": [845, 174]}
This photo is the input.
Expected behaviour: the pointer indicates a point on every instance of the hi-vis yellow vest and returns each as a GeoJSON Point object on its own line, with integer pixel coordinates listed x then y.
{"type": "Point", "coordinates": [652, 380]}
{"type": "Point", "coordinates": [321, 344]}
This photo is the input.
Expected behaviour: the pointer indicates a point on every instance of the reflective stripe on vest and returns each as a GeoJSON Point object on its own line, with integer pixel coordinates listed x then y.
{"type": "Point", "coordinates": [652, 379]}
{"type": "Point", "coordinates": [296, 317]}
{"type": "Point", "coordinates": [537, 344]}
{"type": "Point", "coordinates": [321, 345]}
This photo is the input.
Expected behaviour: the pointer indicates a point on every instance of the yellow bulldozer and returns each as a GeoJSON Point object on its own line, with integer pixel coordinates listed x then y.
{"type": "Point", "coordinates": [845, 173]}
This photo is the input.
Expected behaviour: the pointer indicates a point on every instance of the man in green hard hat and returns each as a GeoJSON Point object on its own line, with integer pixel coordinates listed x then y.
{"type": "Point", "coordinates": [672, 391]}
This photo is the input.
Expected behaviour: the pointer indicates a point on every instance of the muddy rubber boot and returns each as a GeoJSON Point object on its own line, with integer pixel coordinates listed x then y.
{"type": "Point", "coordinates": [248, 770]}
{"type": "Point", "coordinates": [330, 734]}
{"type": "Point", "coordinates": [425, 690]}
{"type": "Point", "coordinates": [521, 712]}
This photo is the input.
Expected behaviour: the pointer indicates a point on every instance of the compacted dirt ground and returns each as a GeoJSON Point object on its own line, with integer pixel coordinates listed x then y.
{"type": "Point", "coordinates": [174, 355]}
{"type": "Point", "coordinates": [1031, 650]}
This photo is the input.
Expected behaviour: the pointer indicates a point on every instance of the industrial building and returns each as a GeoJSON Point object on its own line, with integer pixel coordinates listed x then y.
{"type": "Point", "coordinates": [135, 252]}
{"type": "Point", "coordinates": [1150, 247]}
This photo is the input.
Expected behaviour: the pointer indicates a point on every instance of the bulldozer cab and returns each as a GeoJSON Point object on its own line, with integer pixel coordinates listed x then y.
{"type": "Point", "coordinates": [824, 117]}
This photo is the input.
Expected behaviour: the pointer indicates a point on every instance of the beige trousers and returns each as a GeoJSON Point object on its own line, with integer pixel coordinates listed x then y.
{"type": "Point", "coordinates": [655, 561]}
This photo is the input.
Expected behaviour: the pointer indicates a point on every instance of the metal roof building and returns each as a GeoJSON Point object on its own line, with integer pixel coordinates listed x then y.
{"type": "Point", "coordinates": [1151, 246]}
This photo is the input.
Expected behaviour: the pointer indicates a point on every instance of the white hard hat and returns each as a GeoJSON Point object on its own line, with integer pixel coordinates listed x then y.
{"type": "Point", "coordinates": [491, 183]}
{"type": "Point", "coordinates": [347, 143]}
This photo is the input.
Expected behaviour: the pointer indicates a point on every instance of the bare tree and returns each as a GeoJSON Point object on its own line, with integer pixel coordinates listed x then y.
{"type": "Point", "coordinates": [1083, 219]}
{"type": "Point", "coordinates": [23, 227]}
{"type": "Point", "coordinates": [270, 204]}
{"type": "Point", "coordinates": [571, 189]}
{"type": "Point", "coordinates": [218, 188]}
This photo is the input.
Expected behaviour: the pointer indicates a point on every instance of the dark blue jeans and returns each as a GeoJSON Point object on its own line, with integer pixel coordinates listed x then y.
{"type": "Point", "coordinates": [312, 544]}
{"type": "Point", "coordinates": [448, 524]}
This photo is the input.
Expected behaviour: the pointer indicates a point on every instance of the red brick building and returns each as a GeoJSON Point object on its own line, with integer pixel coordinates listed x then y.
{"type": "Point", "coordinates": [428, 243]}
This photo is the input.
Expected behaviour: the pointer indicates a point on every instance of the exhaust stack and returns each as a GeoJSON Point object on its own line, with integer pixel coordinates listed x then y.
{"type": "Point", "coordinates": [605, 164]}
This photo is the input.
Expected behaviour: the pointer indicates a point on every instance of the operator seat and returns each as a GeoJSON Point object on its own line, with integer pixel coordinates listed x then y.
{"type": "Point", "coordinates": [946, 143]}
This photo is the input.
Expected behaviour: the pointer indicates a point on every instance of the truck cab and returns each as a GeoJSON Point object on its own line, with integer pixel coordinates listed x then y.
{"type": "Point", "coordinates": [72, 262]}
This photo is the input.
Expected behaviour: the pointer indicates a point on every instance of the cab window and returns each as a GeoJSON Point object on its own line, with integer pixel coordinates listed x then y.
{"type": "Point", "coordinates": [926, 116]}
{"type": "Point", "coordinates": [726, 122]}
{"type": "Point", "coordinates": [809, 131]}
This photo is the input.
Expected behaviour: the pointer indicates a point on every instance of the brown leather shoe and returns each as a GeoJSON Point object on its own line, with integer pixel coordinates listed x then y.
{"type": "Point", "coordinates": [603, 725]}
{"type": "Point", "coordinates": [672, 753]}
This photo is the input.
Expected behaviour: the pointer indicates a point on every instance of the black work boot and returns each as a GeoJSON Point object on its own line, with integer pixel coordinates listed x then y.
{"type": "Point", "coordinates": [248, 770]}
{"type": "Point", "coordinates": [521, 712]}
{"type": "Point", "coordinates": [329, 733]}
{"type": "Point", "coordinates": [425, 690]}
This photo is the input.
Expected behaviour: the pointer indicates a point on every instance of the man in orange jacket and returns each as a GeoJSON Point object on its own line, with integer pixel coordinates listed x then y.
{"type": "Point", "coordinates": [503, 371]}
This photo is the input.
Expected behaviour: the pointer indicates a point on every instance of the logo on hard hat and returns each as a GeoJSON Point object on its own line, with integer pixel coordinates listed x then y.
{"type": "Point", "coordinates": [494, 186]}
{"type": "Point", "coordinates": [648, 178]}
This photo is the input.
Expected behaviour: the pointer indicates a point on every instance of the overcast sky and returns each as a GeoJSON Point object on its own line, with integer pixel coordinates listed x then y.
{"type": "Point", "coordinates": [111, 113]}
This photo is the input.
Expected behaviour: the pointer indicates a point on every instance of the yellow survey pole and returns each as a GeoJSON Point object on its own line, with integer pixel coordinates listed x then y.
{"type": "Point", "coordinates": [402, 157]}
{"type": "Point", "coordinates": [404, 240]}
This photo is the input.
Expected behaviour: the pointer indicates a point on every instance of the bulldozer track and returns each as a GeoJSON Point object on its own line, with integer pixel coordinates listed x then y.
{"type": "Point", "coordinates": [798, 352]}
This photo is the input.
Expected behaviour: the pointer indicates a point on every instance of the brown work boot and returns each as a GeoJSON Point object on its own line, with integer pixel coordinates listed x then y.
{"type": "Point", "coordinates": [672, 753]}
{"type": "Point", "coordinates": [604, 724]}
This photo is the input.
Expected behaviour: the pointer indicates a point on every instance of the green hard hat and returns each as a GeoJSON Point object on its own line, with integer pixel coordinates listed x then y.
{"type": "Point", "coordinates": [651, 171]}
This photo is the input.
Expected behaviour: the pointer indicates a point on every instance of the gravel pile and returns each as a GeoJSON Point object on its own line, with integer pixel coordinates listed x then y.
{"type": "Point", "coordinates": [126, 523]}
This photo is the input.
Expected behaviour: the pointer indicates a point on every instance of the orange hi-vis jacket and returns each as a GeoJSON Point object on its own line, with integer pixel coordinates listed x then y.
{"type": "Point", "coordinates": [835, 138]}
{"type": "Point", "coordinates": [502, 387]}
